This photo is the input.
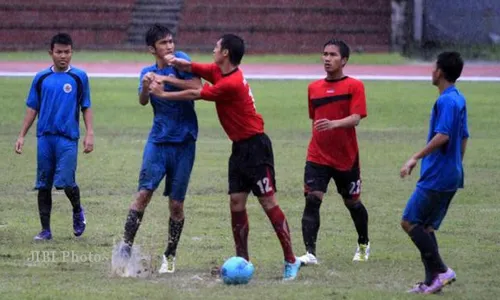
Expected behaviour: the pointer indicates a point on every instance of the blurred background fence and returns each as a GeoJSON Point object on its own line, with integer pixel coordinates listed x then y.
{"type": "Point", "coordinates": [413, 27]}
{"type": "Point", "coordinates": [428, 26]}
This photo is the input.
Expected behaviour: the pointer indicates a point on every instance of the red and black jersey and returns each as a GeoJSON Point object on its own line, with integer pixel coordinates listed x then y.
{"type": "Point", "coordinates": [233, 100]}
{"type": "Point", "coordinates": [334, 100]}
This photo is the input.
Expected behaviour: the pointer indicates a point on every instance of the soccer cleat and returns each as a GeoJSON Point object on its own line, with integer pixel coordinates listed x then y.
{"type": "Point", "coordinates": [125, 251]}
{"type": "Point", "coordinates": [79, 222]}
{"type": "Point", "coordinates": [44, 235]}
{"type": "Point", "coordinates": [167, 265]}
{"type": "Point", "coordinates": [120, 260]}
{"type": "Point", "coordinates": [362, 252]}
{"type": "Point", "coordinates": [291, 269]}
{"type": "Point", "coordinates": [440, 281]}
{"type": "Point", "coordinates": [308, 259]}
{"type": "Point", "coordinates": [418, 288]}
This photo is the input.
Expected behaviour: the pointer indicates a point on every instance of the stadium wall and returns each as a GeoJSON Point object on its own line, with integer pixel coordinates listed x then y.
{"type": "Point", "coordinates": [273, 26]}
{"type": "Point", "coordinates": [287, 26]}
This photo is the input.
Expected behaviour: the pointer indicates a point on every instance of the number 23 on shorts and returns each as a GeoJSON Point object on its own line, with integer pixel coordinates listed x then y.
{"type": "Point", "coordinates": [355, 187]}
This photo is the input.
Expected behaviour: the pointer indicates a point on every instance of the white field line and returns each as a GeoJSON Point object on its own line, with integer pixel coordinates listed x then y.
{"type": "Point", "coordinates": [282, 77]}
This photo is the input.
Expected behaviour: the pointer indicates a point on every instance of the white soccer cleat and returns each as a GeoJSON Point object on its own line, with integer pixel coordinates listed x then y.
{"type": "Point", "coordinates": [308, 259]}
{"type": "Point", "coordinates": [167, 265]}
{"type": "Point", "coordinates": [362, 252]}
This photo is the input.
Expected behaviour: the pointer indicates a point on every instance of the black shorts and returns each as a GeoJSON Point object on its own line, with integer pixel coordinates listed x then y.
{"type": "Point", "coordinates": [251, 166]}
{"type": "Point", "coordinates": [317, 177]}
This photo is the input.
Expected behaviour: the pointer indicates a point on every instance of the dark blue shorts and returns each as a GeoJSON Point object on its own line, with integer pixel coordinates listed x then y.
{"type": "Point", "coordinates": [171, 160]}
{"type": "Point", "coordinates": [427, 207]}
{"type": "Point", "coordinates": [56, 162]}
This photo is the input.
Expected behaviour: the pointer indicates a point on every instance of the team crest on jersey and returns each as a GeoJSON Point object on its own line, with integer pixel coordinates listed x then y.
{"type": "Point", "coordinates": [330, 91]}
{"type": "Point", "coordinates": [67, 88]}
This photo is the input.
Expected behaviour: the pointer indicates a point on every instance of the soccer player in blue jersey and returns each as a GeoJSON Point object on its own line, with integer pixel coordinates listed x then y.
{"type": "Point", "coordinates": [441, 173]}
{"type": "Point", "coordinates": [56, 96]}
{"type": "Point", "coordinates": [170, 148]}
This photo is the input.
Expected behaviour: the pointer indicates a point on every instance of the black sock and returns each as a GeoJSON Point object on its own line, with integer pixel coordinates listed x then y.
{"type": "Point", "coordinates": [439, 260]}
{"type": "Point", "coordinates": [311, 223]}
{"type": "Point", "coordinates": [429, 276]}
{"type": "Point", "coordinates": [424, 242]}
{"type": "Point", "coordinates": [73, 194]}
{"type": "Point", "coordinates": [174, 235]}
{"type": "Point", "coordinates": [359, 215]}
{"type": "Point", "coordinates": [45, 207]}
{"type": "Point", "coordinates": [132, 224]}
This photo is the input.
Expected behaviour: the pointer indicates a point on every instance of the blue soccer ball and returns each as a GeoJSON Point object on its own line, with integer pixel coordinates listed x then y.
{"type": "Point", "coordinates": [236, 270]}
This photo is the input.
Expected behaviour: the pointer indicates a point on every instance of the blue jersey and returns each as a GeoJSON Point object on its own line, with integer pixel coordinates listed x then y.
{"type": "Point", "coordinates": [442, 169]}
{"type": "Point", "coordinates": [58, 98]}
{"type": "Point", "coordinates": [174, 121]}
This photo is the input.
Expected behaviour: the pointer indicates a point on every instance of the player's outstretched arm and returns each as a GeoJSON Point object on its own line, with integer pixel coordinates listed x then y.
{"type": "Point", "coordinates": [325, 124]}
{"type": "Point", "coordinates": [179, 63]}
{"type": "Point", "coordinates": [88, 141]}
{"type": "Point", "coordinates": [183, 84]}
{"type": "Point", "coordinates": [29, 118]}
{"type": "Point", "coordinates": [156, 88]}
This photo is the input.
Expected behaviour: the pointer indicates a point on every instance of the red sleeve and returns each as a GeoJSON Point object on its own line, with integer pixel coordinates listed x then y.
{"type": "Point", "coordinates": [205, 71]}
{"type": "Point", "coordinates": [358, 101]}
{"type": "Point", "coordinates": [218, 92]}
{"type": "Point", "coordinates": [311, 109]}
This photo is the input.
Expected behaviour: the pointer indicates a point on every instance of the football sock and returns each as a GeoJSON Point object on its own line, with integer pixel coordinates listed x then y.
{"type": "Point", "coordinates": [278, 219]}
{"type": "Point", "coordinates": [174, 234]}
{"type": "Point", "coordinates": [44, 207]}
{"type": "Point", "coordinates": [428, 272]}
{"type": "Point", "coordinates": [360, 217]}
{"type": "Point", "coordinates": [73, 194]}
{"type": "Point", "coordinates": [132, 224]}
{"type": "Point", "coordinates": [239, 224]}
{"type": "Point", "coordinates": [311, 223]}
{"type": "Point", "coordinates": [428, 250]}
{"type": "Point", "coordinates": [439, 260]}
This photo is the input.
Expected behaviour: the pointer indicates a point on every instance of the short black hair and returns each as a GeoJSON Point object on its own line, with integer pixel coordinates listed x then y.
{"type": "Point", "coordinates": [343, 48]}
{"type": "Point", "coordinates": [62, 39]}
{"type": "Point", "coordinates": [157, 32]}
{"type": "Point", "coordinates": [451, 64]}
{"type": "Point", "coordinates": [235, 46]}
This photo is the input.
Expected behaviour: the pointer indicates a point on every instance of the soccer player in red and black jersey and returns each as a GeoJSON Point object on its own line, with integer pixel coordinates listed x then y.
{"type": "Point", "coordinates": [336, 105]}
{"type": "Point", "coordinates": [251, 165]}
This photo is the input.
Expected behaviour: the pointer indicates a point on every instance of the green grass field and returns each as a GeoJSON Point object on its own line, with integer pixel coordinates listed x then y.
{"type": "Point", "coordinates": [137, 56]}
{"type": "Point", "coordinates": [395, 128]}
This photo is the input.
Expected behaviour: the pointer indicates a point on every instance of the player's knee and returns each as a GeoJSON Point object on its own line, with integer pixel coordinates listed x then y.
{"type": "Point", "coordinates": [72, 191]}
{"type": "Point", "coordinates": [352, 203]}
{"type": "Point", "coordinates": [313, 202]}
{"type": "Point", "coordinates": [311, 209]}
{"type": "Point", "coordinates": [406, 225]}
{"type": "Point", "coordinates": [176, 210]}
{"type": "Point", "coordinates": [142, 200]}
{"type": "Point", "coordinates": [429, 229]}
{"type": "Point", "coordinates": [268, 202]}
{"type": "Point", "coordinates": [237, 202]}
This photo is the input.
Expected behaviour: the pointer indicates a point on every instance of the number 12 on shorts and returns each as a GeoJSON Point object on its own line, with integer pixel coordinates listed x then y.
{"type": "Point", "coordinates": [265, 185]}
